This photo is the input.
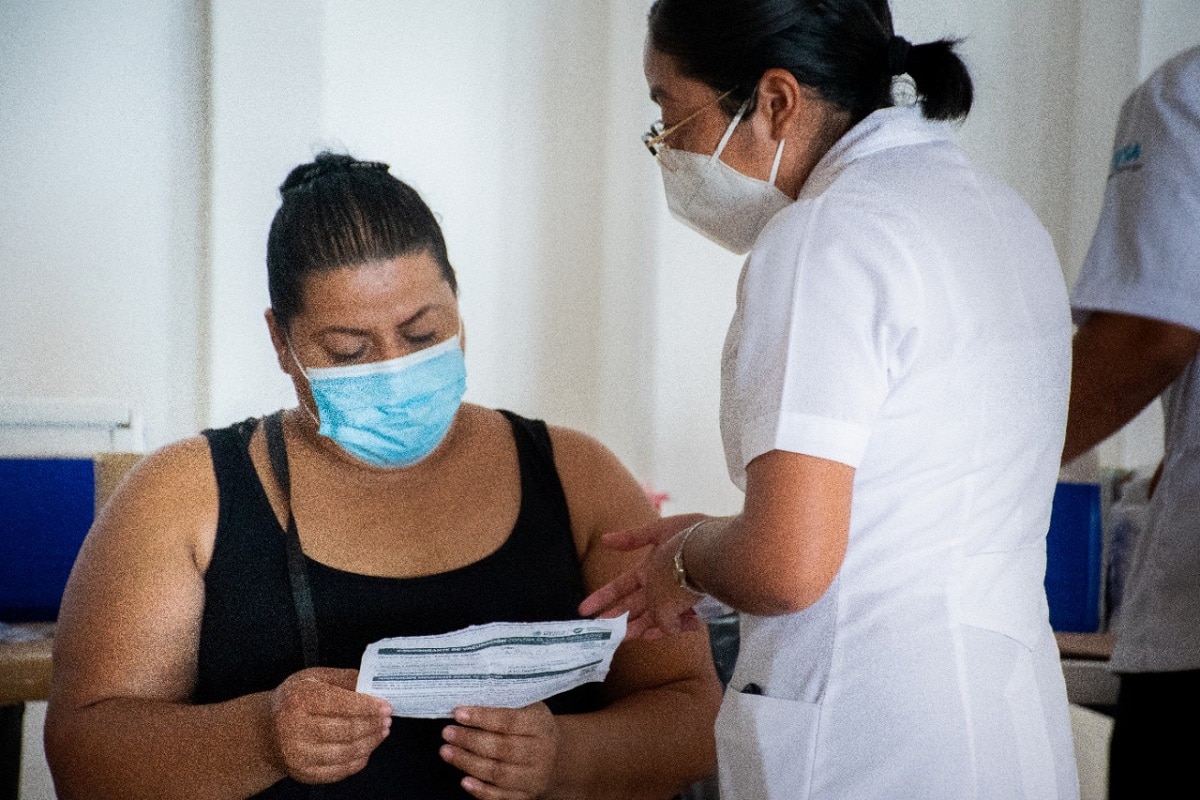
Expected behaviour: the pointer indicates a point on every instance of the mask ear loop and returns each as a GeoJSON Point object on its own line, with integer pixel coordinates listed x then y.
{"type": "Point", "coordinates": [303, 372]}
{"type": "Point", "coordinates": [729, 131]}
{"type": "Point", "coordinates": [296, 361]}
{"type": "Point", "coordinates": [775, 166]}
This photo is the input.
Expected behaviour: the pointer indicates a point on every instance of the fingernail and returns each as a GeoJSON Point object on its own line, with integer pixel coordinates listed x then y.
{"type": "Point", "coordinates": [446, 752]}
{"type": "Point", "coordinates": [462, 715]}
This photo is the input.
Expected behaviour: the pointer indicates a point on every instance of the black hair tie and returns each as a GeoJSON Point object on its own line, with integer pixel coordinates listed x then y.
{"type": "Point", "coordinates": [898, 50]}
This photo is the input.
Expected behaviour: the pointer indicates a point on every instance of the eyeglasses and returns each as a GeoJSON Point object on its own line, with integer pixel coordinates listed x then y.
{"type": "Point", "coordinates": [654, 139]}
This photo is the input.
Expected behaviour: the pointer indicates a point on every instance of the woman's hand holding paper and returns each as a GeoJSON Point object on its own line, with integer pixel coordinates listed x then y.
{"type": "Point", "coordinates": [507, 753]}
{"type": "Point", "coordinates": [322, 729]}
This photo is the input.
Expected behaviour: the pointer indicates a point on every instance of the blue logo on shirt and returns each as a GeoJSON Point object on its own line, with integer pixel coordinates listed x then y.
{"type": "Point", "coordinates": [1127, 157]}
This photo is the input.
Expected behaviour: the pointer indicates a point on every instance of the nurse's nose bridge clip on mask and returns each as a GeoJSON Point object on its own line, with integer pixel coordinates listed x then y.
{"type": "Point", "coordinates": [389, 413]}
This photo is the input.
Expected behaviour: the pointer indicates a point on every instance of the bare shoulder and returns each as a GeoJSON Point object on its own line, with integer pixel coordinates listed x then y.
{"type": "Point", "coordinates": [602, 494]}
{"type": "Point", "coordinates": [170, 491]}
{"type": "Point", "coordinates": [188, 459]}
{"type": "Point", "coordinates": [577, 450]}
{"type": "Point", "coordinates": [592, 473]}
{"type": "Point", "coordinates": [132, 605]}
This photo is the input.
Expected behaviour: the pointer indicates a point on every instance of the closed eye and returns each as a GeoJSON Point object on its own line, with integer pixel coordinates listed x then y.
{"type": "Point", "coordinates": [346, 358]}
{"type": "Point", "coordinates": [421, 339]}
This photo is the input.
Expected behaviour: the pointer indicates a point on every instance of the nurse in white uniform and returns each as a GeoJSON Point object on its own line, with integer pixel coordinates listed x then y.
{"type": "Point", "coordinates": [1138, 305]}
{"type": "Point", "coordinates": [894, 395]}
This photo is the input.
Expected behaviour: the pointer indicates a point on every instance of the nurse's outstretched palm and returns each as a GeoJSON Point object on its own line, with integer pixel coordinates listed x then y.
{"type": "Point", "coordinates": [656, 604]}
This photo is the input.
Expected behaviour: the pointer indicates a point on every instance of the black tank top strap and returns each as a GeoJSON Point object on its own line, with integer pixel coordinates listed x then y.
{"type": "Point", "coordinates": [302, 597]}
{"type": "Point", "coordinates": [237, 482]}
{"type": "Point", "coordinates": [542, 495]}
{"type": "Point", "coordinates": [533, 431]}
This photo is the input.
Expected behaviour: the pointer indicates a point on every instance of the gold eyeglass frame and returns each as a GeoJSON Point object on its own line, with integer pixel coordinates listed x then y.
{"type": "Point", "coordinates": [653, 139]}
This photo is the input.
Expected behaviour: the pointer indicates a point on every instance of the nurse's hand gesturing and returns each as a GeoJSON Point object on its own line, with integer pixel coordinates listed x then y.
{"type": "Point", "coordinates": [658, 606]}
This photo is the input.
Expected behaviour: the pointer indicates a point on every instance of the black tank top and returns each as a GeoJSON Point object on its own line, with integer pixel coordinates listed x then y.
{"type": "Point", "coordinates": [250, 639]}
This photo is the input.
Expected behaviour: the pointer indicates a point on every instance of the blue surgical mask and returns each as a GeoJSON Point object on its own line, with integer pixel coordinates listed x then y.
{"type": "Point", "coordinates": [391, 413]}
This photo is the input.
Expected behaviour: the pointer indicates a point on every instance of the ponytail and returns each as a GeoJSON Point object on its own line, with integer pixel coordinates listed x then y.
{"type": "Point", "coordinates": [845, 49]}
{"type": "Point", "coordinates": [942, 80]}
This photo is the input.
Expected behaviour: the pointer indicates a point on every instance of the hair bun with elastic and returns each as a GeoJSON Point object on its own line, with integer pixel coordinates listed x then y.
{"type": "Point", "coordinates": [326, 163]}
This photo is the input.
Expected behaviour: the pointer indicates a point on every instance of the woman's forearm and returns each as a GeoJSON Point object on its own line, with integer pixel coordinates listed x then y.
{"type": "Point", "coordinates": [784, 550]}
{"type": "Point", "coordinates": [626, 751]}
{"type": "Point", "coordinates": [718, 562]}
{"type": "Point", "coordinates": [134, 748]}
{"type": "Point", "coordinates": [729, 559]}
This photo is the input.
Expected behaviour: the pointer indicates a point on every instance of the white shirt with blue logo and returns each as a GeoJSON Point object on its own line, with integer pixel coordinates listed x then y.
{"type": "Point", "coordinates": [1145, 261]}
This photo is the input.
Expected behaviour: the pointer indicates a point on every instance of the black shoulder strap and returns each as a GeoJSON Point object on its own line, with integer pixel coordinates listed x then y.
{"type": "Point", "coordinates": [537, 432]}
{"type": "Point", "coordinates": [297, 570]}
{"type": "Point", "coordinates": [539, 472]}
{"type": "Point", "coordinates": [277, 453]}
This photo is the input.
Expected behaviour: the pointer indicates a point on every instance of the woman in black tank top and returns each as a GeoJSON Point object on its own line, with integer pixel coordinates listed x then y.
{"type": "Point", "coordinates": [212, 628]}
{"type": "Point", "coordinates": [240, 653]}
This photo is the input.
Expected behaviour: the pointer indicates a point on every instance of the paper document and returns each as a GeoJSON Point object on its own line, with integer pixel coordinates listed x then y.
{"type": "Point", "coordinates": [501, 664]}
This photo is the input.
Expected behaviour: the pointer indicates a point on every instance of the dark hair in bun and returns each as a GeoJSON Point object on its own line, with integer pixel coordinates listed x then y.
{"type": "Point", "coordinates": [338, 212]}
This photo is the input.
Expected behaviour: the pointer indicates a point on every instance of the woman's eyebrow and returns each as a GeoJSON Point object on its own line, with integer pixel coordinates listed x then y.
{"type": "Point", "coordinates": [352, 331]}
{"type": "Point", "coordinates": [343, 329]}
{"type": "Point", "coordinates": [416, 316]}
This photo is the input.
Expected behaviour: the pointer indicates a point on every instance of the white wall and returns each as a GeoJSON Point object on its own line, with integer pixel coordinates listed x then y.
{"type": "Point", "coordinates": [145, 142]}
{"type": "Point", "coordinates": [497, 114]}
{"type": "Point", "coordinates": [102, 136]}
{"type": "Point", "coordinates": [265, 89]}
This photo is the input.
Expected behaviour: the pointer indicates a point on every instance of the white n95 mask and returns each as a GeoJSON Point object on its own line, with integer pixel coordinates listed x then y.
{"type": "Point", "coordinates": [715, 200]}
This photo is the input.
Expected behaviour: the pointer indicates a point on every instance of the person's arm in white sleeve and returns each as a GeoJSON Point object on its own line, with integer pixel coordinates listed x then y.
{"type": "Point", "coordinates": [778, 556]}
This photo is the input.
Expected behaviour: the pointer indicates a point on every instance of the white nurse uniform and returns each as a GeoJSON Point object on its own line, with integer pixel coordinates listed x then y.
{"type": "Point", "coordinates": [905, 316]}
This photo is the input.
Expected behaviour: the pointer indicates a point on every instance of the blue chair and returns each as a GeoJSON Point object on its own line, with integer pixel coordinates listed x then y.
{"type": "Point", "coordinates": [46, 508]}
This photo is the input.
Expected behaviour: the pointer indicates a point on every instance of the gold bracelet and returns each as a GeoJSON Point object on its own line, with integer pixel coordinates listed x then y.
{"type": "Point", "coordinates": [681, 576]}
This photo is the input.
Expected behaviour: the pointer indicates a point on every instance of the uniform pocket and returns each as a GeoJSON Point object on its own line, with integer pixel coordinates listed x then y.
{"type": "Point", "coordinates": [765, 747]}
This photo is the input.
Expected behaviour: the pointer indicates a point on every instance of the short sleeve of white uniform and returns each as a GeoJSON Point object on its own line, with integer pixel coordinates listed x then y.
{"type": "Point", "coordinates": [826, 310]}
{"type": "Point", "coordinates": [1144, 259]}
